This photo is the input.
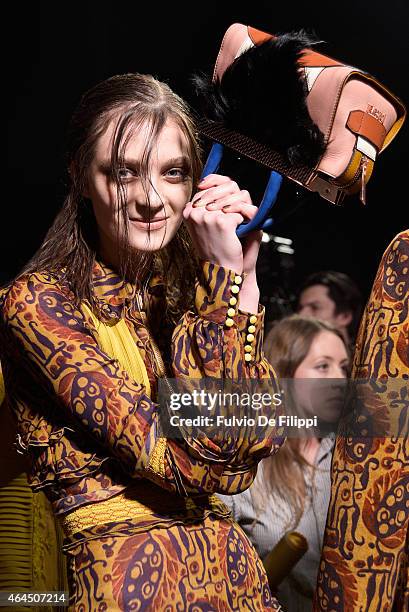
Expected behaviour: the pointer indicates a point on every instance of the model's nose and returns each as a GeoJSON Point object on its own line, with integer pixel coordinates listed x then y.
{"type": "Point", "coordinates": [146, 194]}
{"type": "Point", "coordinates": [153, 196]}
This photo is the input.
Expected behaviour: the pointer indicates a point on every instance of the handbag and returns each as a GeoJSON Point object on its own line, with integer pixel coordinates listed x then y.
{"type": "Point", "coordinates": [332, 119]}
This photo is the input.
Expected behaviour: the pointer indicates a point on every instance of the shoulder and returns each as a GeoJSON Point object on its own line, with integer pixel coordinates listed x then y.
{"type": "Point", "coordinates": [390, 284]}
{"type": "Point", "coordinates": [398, 250]}
{"type": "Point", "coordinates": [402, 238]}
{"type": "Point", "coordinates": [381, 346]}
{"type": "Point", "coordinates": [30, 291]}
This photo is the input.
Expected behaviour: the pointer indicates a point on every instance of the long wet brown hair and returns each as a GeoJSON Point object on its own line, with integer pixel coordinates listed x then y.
{"type": "Point", "coordinates": [70, 247]}
{"type": "Point", "coordinates": [286, 346]}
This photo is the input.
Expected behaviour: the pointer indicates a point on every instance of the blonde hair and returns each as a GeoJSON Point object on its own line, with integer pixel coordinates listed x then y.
{"type": "Point", "coordinates": [286, 346]}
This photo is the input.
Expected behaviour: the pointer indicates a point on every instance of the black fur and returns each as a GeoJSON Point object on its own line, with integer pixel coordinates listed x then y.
{"type": "Point", "coordinates": [262, 95]}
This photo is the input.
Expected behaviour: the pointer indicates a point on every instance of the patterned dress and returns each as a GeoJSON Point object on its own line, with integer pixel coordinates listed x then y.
{"type": "Point", "coordinates": [364, 563]}
{"type": "Point", "coordinates": [265, 524]}
{"type": "Point", "coordinates": [144, 530]}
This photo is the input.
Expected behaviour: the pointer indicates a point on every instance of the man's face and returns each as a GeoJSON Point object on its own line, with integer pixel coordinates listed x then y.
{"type": "Point", "coordinates": [315, 302]}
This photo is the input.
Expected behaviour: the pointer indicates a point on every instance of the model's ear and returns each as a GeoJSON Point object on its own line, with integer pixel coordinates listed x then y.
{"type": "Point", "coordinates": [343, 319]}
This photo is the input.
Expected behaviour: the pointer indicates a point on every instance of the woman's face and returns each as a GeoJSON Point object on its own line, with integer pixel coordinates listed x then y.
{"type": "Point", "coordinates": [320, 386]}
{"type": "Point", "coordinates": [169, 189]}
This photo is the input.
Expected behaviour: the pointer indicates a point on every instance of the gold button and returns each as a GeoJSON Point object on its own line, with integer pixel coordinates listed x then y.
{"type": "Point", "coordinates": [235, 289]}
{"type": "Point", "coordinates": [250, 338]}
{"type": "Point", "coordinates": [247, 357]}
{"type": "Point", "coordinates": [229, 322]}
{"type": "Point", "coordinates": [253, 319]}
{"type": "Point", "coordinates": [238, 280]}
{"type": "Point", "coordinates": [233, 301]}
{"type": "Point", "coordinates": [231, 312]}
{"type": "Point", "coordinates": [251, 329]}
{"type": "Point", "coordinates": [248, 348]}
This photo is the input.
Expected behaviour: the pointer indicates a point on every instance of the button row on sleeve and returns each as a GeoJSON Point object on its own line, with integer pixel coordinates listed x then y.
{"type": "Point", "coordinates": [248, 347]}
{"type": "Point", "coordinates": [233, 300]}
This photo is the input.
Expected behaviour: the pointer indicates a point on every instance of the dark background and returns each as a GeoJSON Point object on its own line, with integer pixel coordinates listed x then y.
{"type": "Point", "coordinates": [58, 50]}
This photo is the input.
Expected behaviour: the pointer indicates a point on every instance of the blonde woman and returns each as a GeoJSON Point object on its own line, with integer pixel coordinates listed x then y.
{"type": "Point", "coordinates": [291, 490]}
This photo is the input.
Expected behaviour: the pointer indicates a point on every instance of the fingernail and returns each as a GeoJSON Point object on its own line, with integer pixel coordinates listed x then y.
{"type": "Point", "coordinates": [226, 207]}
{"type": "Point", "coordinates": [196, 202]}
{"type": "Point", "coordinates": [211, 205]}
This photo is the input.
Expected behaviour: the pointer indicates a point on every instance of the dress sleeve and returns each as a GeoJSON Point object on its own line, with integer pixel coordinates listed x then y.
{"type": "Point", "coordinates": [210, 341]}
{"type": "Point", "coordinates": [41, 327]}
{"type": "Point", "coordinates": [364, 561]}
{"type": "Point", "coordinates": [219, 341]}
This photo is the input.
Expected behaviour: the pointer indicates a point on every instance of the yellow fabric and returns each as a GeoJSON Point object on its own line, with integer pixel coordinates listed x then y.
{"type": "Point", "coordinates": [30, 540]}
{"type": "Point", "coordinates": [157, 460]}
{"type": "Point", "coordinates": [16, 564]}
{"type": "Point", "coordinates": [127, 506]}
{"type": "Point", "coordinates": [118, 508]}
{"type": "Point", "coordinates": [116, 341]}
{"type": "Point", "coordinates": [30, 558]}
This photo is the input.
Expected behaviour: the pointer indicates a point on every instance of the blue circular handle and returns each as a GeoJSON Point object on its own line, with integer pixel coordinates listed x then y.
{"type": "Point", "coordinates": [261, 220]}
{"type": "Point", "coordinates": [213, 160]}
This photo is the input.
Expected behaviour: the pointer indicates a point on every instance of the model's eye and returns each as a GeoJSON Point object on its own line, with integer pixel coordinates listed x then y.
{"type": "Point", "coordinates": [178, 174]}
{"type": "Point", "coordinates": [322, 367]}
{"type": "Point", "coordinates": [125, 174]}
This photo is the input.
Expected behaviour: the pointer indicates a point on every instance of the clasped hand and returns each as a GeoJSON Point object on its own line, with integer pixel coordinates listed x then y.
{"type": "Point", "coordinates": [212, 217]}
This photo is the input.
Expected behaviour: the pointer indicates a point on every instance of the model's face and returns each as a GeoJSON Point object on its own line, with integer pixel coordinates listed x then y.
{"type": "Point", "coordinates": [153, 214]}
{"type": "Point", "coordinates": [327, 359]}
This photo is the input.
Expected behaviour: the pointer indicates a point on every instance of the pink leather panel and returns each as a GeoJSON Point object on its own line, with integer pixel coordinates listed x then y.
{"type": "Point", "coordinates": [322, 97]}
{"type": "Point", "coordinates": [231, 43]}
{"type": "Point", "coordinates": [356, 95]}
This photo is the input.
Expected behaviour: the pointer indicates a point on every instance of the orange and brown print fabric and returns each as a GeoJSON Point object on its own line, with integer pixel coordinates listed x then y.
{"type": "Point", "coordinates": [364, 563]}
{"type": "Point", "coordinates": [92, 435]}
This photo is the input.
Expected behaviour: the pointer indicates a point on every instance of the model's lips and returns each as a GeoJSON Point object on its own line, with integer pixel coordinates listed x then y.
{"type": "Point", "coordinates": [153, 224]}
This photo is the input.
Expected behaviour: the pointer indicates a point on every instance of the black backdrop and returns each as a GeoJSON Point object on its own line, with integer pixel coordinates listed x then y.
{"type": "Point", "coordinates": [57, 50]}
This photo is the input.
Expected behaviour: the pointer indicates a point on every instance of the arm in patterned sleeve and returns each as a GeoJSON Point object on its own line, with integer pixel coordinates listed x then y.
{"type": "Point", "coordinates": [205, 346]}
{"type": "Point", "coordinates": [364, 562]}
{"type": "Point", "coordinates": [40, 323]}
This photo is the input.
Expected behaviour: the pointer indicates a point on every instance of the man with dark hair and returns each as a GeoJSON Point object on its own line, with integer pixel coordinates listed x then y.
{"type": "Point", "coordinates": [333, 297]}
